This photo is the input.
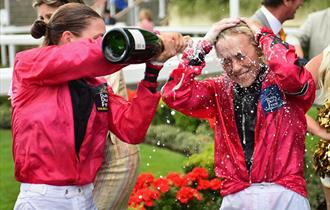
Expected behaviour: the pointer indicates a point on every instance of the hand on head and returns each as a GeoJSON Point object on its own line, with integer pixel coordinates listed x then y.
{"type": "Point", "coordinates": [226, 23]}
{"type": "Point", "coordinates": [219, 26]}
{"type": "Point", "coordinates": [173, 43]}
{"type": "Point", "coordinates": [252, 24]}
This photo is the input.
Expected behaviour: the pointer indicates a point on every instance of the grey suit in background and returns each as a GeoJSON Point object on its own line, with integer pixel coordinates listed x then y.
{"type": "Point", "coordinates": [314, 33]}
{"type": "Point", "coordinates": [261, 18]}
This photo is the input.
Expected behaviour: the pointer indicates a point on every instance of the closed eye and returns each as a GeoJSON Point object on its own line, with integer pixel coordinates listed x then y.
{"type": "Point", "coordinates": [98, 35]}
{"type": "Point", "coordinates": [240, 56]}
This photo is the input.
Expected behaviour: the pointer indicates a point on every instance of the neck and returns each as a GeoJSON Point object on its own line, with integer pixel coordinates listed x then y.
{"type": "Point", "coordinates": [279, 12]}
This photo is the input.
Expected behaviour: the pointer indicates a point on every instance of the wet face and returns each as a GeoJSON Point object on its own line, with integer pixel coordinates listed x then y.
{"type": "Point", "coordinates": [45, 12]}
{"type": "Point", "coordinates": [239, 58]}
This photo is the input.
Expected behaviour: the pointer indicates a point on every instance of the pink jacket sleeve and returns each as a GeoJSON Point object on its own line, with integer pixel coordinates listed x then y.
{"type": "Point", "coordinates": [293, 78]}
{"type": "Point", "coordinates": [130, 120]}
{"type": "Point", "coordinates": [186, 94]}
{"type": "Point", "coordinates": [60, 63]}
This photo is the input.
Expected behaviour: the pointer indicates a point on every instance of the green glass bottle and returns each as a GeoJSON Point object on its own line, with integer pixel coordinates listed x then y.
{"type": "Point", "coordinates": [131, 45]}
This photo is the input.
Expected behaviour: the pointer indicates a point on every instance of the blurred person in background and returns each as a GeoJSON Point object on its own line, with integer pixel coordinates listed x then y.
{"type": "Point", "coordinates": [102, 7]}
{"type": "Point", "coordinates": [314, 33]}
{"type": "Point", "coordinates": [145, 20]}
{"type": "Point", "coordinates": [273, 13]}
{"type": "Point", "coordinates": [319, 66]}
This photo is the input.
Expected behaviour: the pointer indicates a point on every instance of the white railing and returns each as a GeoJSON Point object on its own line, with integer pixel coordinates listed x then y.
{"type": "Point", "coordinates": [10, 42]}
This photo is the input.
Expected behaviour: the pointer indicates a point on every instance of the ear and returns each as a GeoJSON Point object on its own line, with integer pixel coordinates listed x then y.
{"type": "Point", "coordinates": [66, 37]}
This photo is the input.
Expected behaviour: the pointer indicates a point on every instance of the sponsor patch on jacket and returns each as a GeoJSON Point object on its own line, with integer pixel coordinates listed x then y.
{"type": "Point", "coordinates": [277, 40]}
{"type": "Point", "coordinates": [271, 98]}
{"type": "Point", "coordinates": [101, 98]}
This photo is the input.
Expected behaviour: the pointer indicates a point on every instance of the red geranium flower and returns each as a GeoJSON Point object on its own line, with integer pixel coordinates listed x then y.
{"type": "Point", "coordinates": [185, 194]}
{"type": "Point", "coordinates": [215, 184]}
{"type": "Point", "coordinates": [146, 195]}
{"type": "Point", "coordinates": [162, 185]}
{"type": "Point", "coordinates": [203, 184]}
{"type": "Point", "coordinates": [201, 173]}
{"type": "Point", "coordinates": [144, 180]}
{"type": "Point", "coordinates": [175, 178]}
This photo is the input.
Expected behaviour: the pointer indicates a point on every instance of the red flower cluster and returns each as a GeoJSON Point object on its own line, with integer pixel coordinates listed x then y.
{"type": "Point", "coordinates": [188, 187]}
{"type": "Point", "coordinates": [185, 194]}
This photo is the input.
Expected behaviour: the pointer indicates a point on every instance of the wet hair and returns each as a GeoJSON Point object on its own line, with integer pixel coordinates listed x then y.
{"type": "Point", "coordinates": [71, 17]}
{"type": "Point", "coordinates": [271, 3]}
{"type": "Point", "coordinates": [54, 3]}
{"type": "Point", "coordinates": [242, 28]}
{"type": "Point", "coordinates": [324, 75]}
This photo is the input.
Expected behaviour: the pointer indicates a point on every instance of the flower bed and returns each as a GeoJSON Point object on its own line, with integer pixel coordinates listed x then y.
{"type": "Point", "coordinates": [194, 190]}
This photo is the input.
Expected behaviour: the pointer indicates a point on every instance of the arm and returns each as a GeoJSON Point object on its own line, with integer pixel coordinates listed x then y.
{"type": "Point", "coordinates": [130, 120]}
{"type": "Point", "coordinates": [293, 78]}
{"type": "Point", "coordinates": [57, 64]}
{"type": "Point", "coordinates": [186, 94]}
{"type": "Point", "coordinates": [315, 128]}
{"type": "Point", "coordinates": [313, 66]}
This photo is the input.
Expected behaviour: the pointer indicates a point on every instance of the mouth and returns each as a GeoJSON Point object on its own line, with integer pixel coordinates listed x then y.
{"type": "Point", "coordinates": [242, 74]}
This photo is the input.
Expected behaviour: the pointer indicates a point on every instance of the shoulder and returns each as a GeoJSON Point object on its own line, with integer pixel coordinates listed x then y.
{"type": "Point", "coordinates": [319, 15]}
{"type": "Point", "coordinates": [257, 15]}
{"type": "Point", "coordinates": [260, 17]}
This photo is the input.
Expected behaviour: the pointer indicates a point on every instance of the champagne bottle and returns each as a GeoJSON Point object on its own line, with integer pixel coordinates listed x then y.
{"type": "Point", "coordinates": [131, 45]}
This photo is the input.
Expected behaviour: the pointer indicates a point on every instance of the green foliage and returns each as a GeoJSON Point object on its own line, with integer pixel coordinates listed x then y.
{"type": "Point", "coordinates": [5, 114]}
{"type": "Point", "coordinates": [159, 161]}
{"type": "Point", "coordinates": [205, 159]}
{"type": "Point", "coordinates": [314, 187]}
{"type": "Point", "coordinates": [217, 9]}
{"type": "Point", "coordinates": [177, 132]}
{"type": "Point", "coordinates": [211, 8]}
{"type": "Point", "coordinates": [165, 115]}
{"type": "Point", "coordinates": [9, 187]}
{"type": "Point", "coordinates": [177, 140]}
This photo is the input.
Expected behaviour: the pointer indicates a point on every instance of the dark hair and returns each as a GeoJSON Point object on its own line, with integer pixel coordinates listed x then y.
{"type": "Point", "coordinates": [71, 17]}
{"type": "Point", "coordinates": [54, 3]}
{"type": "Point", "coordinates": [272, 3]}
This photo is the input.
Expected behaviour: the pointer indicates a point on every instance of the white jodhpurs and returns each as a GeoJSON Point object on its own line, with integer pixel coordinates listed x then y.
{"type": "Point", "coordinates": [265, 196]}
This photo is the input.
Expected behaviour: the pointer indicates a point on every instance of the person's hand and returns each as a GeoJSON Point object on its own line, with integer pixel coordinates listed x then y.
{"type": "Point", "coordinates": [252, 24]}
{"type": "Point", "coordinates": [219, 26]}
{"type": "Point", "coordinates": [173, 43]}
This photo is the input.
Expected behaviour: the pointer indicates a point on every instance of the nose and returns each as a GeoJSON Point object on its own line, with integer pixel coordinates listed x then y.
{"type": "Point", "coordinates": [236, 66]}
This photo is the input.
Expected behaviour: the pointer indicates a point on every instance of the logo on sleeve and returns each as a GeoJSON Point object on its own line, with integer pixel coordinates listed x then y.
{"type": "Point", "coordinates": [271, 99]}
{"type": "Point", "coordinates": [101, 98]}
{"type": "Point", "coordinates": [277, 40]}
